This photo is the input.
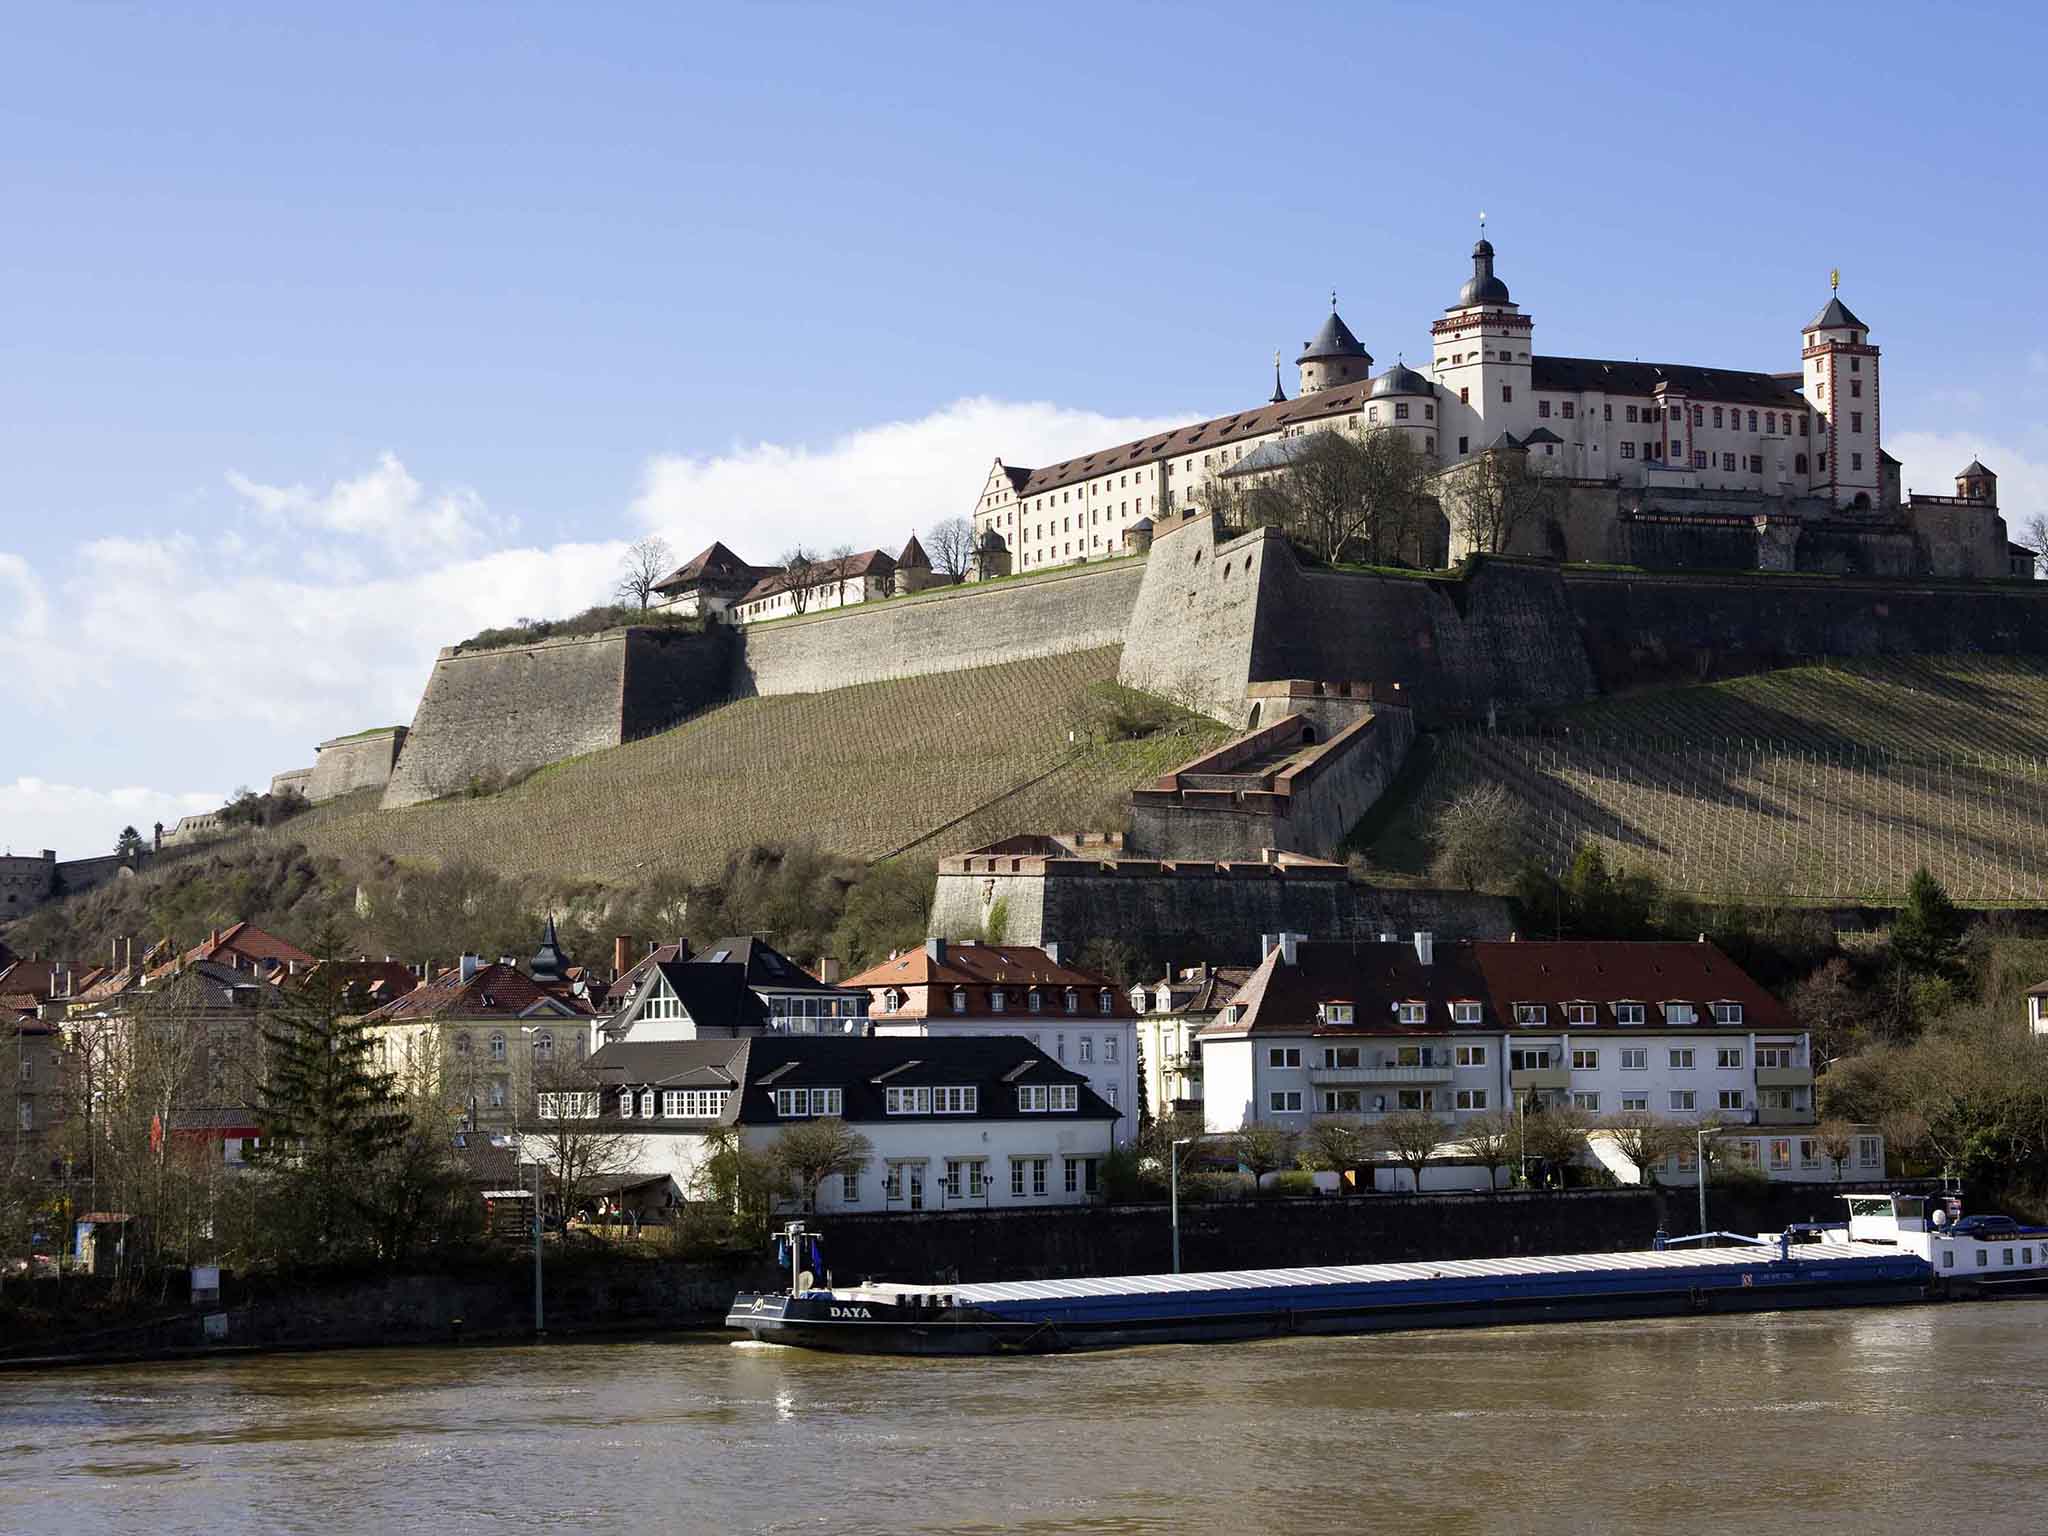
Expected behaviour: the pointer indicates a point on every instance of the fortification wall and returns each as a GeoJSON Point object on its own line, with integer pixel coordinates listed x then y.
{"type": "Point", "coordinates": [295, 779]}
{"type": "Point", "coordinates": [1216, 911]}
{"type": "Point", "coordinates": [349, 763]}
{"type": "Point", "coordinates": [1202, 605]}
{"type": "Point", "coordinates": [1644, 627]}
{"type": "Point", "coordinates": [979, 626]}
{"type": "Point", "coordinates": [671, 675]}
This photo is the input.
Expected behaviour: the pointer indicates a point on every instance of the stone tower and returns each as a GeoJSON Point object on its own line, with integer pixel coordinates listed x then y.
{"type": "Point", "coordinates": [1482, 347]}
{"type": "Point", "coordinates": [1976, 483]}
{"type": "Point", "coordinates": [1334, 357]}
{"type": "Point", "coordinates": [1839, 374]}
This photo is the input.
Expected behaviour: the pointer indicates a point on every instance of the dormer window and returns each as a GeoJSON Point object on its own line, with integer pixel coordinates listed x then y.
{"type": "Point", "coordinates": [892, 1000]}
{"type": "Point", "coordinates": [1412, 1013]}
{"type": "Point", "coordinates": [1234, 1013]}
{"type": "Point", "coordinates": [1680, 1013]}
{"type": "Point", "coordinates": [1581, 1015]}
{"type": "Point", "coordinates": [1728, 1013]}
{"type": "Point", "coordinates": [1102, 1003]}
{"type": "Point", "coordinates": [1628, 1013]}
{"type": "Point", "coordinates": [1531, 1013]}
{"type": "Point", "coordinates": [1333, 1013]}
{"type": "Point", "coordinates": [1467, 1013]}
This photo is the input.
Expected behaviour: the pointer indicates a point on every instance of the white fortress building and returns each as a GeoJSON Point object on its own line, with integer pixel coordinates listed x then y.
{"type": "Point", "coordinates": [1663, 464]}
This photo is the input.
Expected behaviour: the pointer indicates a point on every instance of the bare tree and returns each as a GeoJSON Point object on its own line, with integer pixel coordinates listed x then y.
{"type": "Point", "coordinates": [1492, 498]}
{"type": "Point", "coordinates": [812, 1151]}
{"type": "Point", "coordinates": [580, 1150]}
{"type": "Point", "coordinates": [1413, 1136]}
{"type": "Point", "coordinates": [1644, 1140]}
{"type": "Point", "coordinates": [1477, 836]}
{"type": "Point", "coordinates": [643, 565]}
{"type": "Point", "coordinates": [2035, 537]}
{"type": "Point", "coordinates": [1837, 1140]}
{"type": "Point", "coordinates": [1489, 1140]}
{"type": "Point", "coordinates": [800, 572]}
{"type": "Point", "coordinates": [1556, 1135]}
{"type": "Point", "coordinates": [1338, 496]}
{"type": "Point", "coordinates": [1263, 1148]}
{"type": "Point", "coordinates": [949, 545]}
{"type": "Point", "coordinates": [1332, 1146]}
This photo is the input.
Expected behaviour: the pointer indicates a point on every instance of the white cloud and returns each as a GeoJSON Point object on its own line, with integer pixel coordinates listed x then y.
{"type": "Point", "coordinates": [385, 504]}
{"type": "Point", "coordinates": [81, 823]}
{"type": "Point", "coordinates": [873, 487]}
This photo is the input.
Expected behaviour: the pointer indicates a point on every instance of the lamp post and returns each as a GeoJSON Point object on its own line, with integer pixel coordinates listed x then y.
{"type": "Point", "coordinates": [1173, 1181]}
{"type": "Point", "coordinates": [539, 1323]}
{"type": "Point", "coordinates": [1699, 1167]}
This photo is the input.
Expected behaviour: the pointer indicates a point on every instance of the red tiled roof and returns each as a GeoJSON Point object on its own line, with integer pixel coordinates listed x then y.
{"type": "Point", "coordinates": [823, 573]}
{"type": "Point", "coordinates": [715, 564]}
{"type": "Point", "coordinates": [243, 942]}
{"type": "Point", "coordinates": [495, 991]}
{"type": "Point", "coordinates": [1015, 969]}
{"type": "Point", "coordinates": [1374, 977]}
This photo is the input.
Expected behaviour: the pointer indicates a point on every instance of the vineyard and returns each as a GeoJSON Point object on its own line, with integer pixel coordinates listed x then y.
{"type": "Point", "coordinates": [923, 765]}
{"type": "Point", "coordinates": [1824, 782]}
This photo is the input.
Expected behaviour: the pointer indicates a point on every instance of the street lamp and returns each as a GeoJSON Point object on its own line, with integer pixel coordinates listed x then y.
{"type": "Point", "coordinates": [1699, 1165]}
{"type": "Point", "coordinates": [1173, 1182]}
{"type": "Point", "coordinates": [539, 1326]}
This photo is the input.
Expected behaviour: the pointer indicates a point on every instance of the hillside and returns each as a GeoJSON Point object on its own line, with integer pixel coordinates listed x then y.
{"type": "Point", "coordinates": [1828, 782]}
{"type": "Point", "coordinates": [924, 765]}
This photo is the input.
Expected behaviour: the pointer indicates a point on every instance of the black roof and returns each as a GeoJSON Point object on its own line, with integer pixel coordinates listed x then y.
{"type": "Point", "coordinates": [715, 994]}
{"type": "Point", "coordinates": [1401, 380]}
{"type": "Point", "coordinates": [1482, 287]}
{"type": "Point", "coordinates": [763, 965]}
{"type": "Point", "coordinates": [1576, 375]}
{"type": "Point", "coordinates": [1333, 340]}
{"type": "Point", "coordinates": [714, 1063]}
{"type": "Point", "coordinates": [1973, 469]}
{"type": "Point", "coordinates": [1835, 316]}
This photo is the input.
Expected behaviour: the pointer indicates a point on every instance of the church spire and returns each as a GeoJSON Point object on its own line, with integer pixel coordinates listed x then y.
{"type": "Point", "coordinates": [1279, 394]}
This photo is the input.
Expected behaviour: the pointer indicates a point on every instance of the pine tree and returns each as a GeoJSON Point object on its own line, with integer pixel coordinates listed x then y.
{"type": "Point", "coordinates": [331, 1120]}
{"type": "Point", "coordinates": [1927, 935]}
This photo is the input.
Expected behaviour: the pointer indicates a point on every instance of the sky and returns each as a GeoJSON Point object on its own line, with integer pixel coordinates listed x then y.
{"type": "Point", "coordinates": [331, 336]}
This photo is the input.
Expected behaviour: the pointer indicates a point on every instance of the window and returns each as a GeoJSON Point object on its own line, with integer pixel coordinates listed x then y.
{"type": "Point", "coordinates": [1337, 1013]}
{"type": "Point", "coordinates": [698, 1103]}
{"type": "Point", "coordinates": [1809, 1153]}
{"type": "Point", "coordinates": [462, 1045]}
{"type": "Point", "coordinates": [1059, 1046]}
{"type": "Point", "coordinates": [1340, 1057]}
{"type": "Point", "coordinates": [1628, 450]}
{"type": "Point", "coordinates": [1285, 1102]}
{"type": "Point", "coordinates": [1464, 398]}
{"type": "Point", "coordinates": [1730, 1098]}
{"type": "Point", "coordinates": [1543, 409]}
{"type": "Point", "coordinates": [1103, 1006]}
{"type": "Point", "coordinates": [1855, 389]}
{"type": "Point", "coordinates": [1530, 1013]}
{"type": "Point", "coordinates": [1781, 1153]}
{"type": "Point", "coordinates": [849, 1187]}
{"type": "Point", "coordinates": [1038, 1175]}
{"type": "Point", "coordinates": [1042, 1098]}
{"type": "Point", "coordinates": [570, 1106]}
{"type": "Point", "coordinates": [1109, 1048]}
{"type": "Point", "coordinates": [1284, 1056]}
{"type": "Point", "coordinates": [1635, 1101]}
{"type": "Point", "coordinates": [907, 1101]}
{"type": "Point", "coordinates": [1471, 1055]}
{"type": "Point", "coordinates": [1581, 1014]}
{"type": "Point", "coordinates": [1681, 1098]}
{"type": "Point", "coordinates": [647, 1103]}
{"type": "Point", "coordinates": [1109, 1095]}
{"type": "Point", "coordinates": [1777, 1056]}
{"type": "Point", "coordinates": [1727, 462]}
{"type": "Point", "coordinates": [671, 1104]}
{"type": "Point", "coordinates": [1586, 1101]}
{"type": "Point", "coordinates": [1532, 1058]}
{"type": "Point", "coordinates": [1466, 1013]}
{"type": "Point", "coordinates": [1464, 443]}
{"type": "Point", "coordinates": [797, 1103]}
{"type": "Point", "coordinates": [1413, 1013]}
{"type": "Point", "coordinates": [959, 999]}
{"type": "Point", "coordinates": [1752, 421]}
{"type": "Point", "coordinates": [1568, 410]}
{"type": "Point", "coordinates": [543, 1046]}
{"type": "Point", "coordinates": [1782, 1098]}
{"type": "Point", "coordinates": [1630, 414]}
{"type": "Point", "coordinates": [1681, 1058]}
{"type": "Point", "coordinates": [1471, 1098]}
{"type": "Point", "coordinates": [1869, 1151]}
{"type": "Point", "coordinates": [1585, 1061]}
{"type": "Point", "coordinates": [1855, 461]}
{"type": "Point", "coordinates": [1680, 1013]}
{"type": "Point", "coordinates": [1073, 1175]}
{"type": "Point", "coordinates": [1677, 448]}
{"type": "Point", "coordinates": [1087, 1044]}
{"type": "Point", "coordinates": [1343, 1101]}
{"type": "Point", "coordinates": [1073, 1001]}
{"type": "Point", "coordinates": [1507, 394]}
{"type": "Point", "coordinates": [998, 1000]}
{"type": "Point", "coordinates": [1717, 416]}
{"type": "Point", "coordinates": [1729, 1058]}
{"type": "Point", "coordinates": [625, 1103]}
{"type": "Point", "coordinates": [1033, 1001]}
{"type": "Point", "coordinates": [1417, 1098]}
{"type": "Point", "coordinates": [1400, 410]}
{"type": "Point", "coordinates": [1635, 1059]}
{"type": "Point", "coordinates": [497, 1047]}
{"type": "Point", "coordinates": [1675, 412]}
{"type": "Point", "coordinates": [1017, 1177]}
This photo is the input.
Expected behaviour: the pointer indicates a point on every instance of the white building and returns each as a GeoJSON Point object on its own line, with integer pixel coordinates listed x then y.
{"type": "Point", "coordinates": [1357, 1031]}
{"type": "Point", "coordinates": [1172, 1013]}
{"type": "Point", "coordinates": [1079, 1017]}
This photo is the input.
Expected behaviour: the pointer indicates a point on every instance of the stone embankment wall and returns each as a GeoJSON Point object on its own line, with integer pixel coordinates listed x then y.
{"type": "Point", "coordinates": [1214, 911]}
{"type": "Point", "coordinates": [350, 763]}
{"type": "Point", "coordinates": [295, 779]}
{"type": "Point", "coordinates": [1077, 610]}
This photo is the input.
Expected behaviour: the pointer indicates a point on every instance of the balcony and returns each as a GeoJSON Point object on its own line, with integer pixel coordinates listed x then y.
{"type": "Point", "coordinates": [1767, 1115]}
{"type": "Point", "coordinates": [1356, 1077]}
{"type": "Point", "coordinates": [1784, 1077]}
{"type": "Point", "coordinates": [1541, 1079]}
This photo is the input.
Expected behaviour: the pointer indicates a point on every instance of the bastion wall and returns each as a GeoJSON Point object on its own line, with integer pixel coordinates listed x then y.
{"type": "Point", "coordinates": [350, 763]}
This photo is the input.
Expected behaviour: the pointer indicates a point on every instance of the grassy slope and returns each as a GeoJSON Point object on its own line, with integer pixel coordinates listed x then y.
{"type": "Point", "coordinates": [1824, 782]}
{"type": "Point", "coordinates": [864, 771]}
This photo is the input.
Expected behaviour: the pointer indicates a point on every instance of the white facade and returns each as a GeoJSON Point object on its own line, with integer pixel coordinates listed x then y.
{"type": "Point", "coordinates": [818, 597]}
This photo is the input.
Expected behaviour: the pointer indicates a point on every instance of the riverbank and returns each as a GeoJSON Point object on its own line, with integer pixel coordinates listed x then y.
{"type": "Point", "coordinates": [488, 1297]}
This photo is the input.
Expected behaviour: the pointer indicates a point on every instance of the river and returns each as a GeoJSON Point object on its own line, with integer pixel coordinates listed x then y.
{"type": "Point", "coordinates": [1933, 1417]}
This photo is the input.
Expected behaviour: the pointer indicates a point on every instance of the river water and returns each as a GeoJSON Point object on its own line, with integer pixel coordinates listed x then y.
{"type": "Point", "coordinates": [1934, 1418]}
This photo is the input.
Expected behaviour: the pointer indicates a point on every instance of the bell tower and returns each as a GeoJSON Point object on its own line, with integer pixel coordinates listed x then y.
{"type": "Point", "coordinates": [1839, 374]}
{"type": "Point", "coordinates": [1481, 352]}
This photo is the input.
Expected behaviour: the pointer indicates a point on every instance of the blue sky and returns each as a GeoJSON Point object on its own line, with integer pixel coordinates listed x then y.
{"type": "Point", "coordinates": [327, 337]}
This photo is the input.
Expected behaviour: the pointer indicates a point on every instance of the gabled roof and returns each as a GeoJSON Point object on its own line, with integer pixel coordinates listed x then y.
{"type": "Point", "coordinates": [913, 557]}
{"type": "Point", "coordinates": [624, 984]}
{"type": "Point", "coordinates": [1206, 992]}
{"type": "Point", "coordinates": [33, 978]}
{"type": "Point", "coordinates": [1973, 469]}
{"type": "Point", "coordinates": [1582, 375]}
{"type": "Point", "coordinates": [1015, 965]}
{"type": "Point", "coordinates": [715, 995]}
{"type": "Point", "coordinates": [869, 562]}
{"type": "Point", "coordinates": [1835, 317]}
{"type": "Point", "coordinates": [670, 1063]}
{"type": "Point", "coordinates": [996, 1064]}
{"type": "Point", "coordinates": [762, 964]}
{"type": "Point", "coordinates": [364, 984]}
{"type": "Point", "coordinates": [717, 565]}
{"type": "Point", "coordinates": [495, 991]}
{"type": "Point", "coordinates": [243, 942]}
{"type": "Point", "coordinates": [1539, 436]}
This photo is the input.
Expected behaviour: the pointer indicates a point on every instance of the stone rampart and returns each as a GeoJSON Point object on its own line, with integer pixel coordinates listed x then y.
{"type": "Point", "coordinates": [1215, 910]}
{"type": "Point", "coordinates": [294, 780]}
{"type": "Point", "coordinates": [1077, 610]}
{"type": "Point", "coordinates": [349, 763]}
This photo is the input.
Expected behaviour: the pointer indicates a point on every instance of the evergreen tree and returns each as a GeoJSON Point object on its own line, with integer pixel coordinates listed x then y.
{"type": "Point", "coordinates": [129, 843]}
{"type": "Point", "coordinates": [332, 1122]}
{"type": "Point", "coordinates": [1927, 935]}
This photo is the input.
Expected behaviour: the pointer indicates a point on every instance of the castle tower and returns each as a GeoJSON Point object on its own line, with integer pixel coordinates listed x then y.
{"type": "Point", "coordinates": [1403, 400]}
{"type": "Point", "coordinates": [1976, 483]}
{"type": "Point", "coordinates": [1839, 371]}
{"type": "Point", "coordinates": [1334, 357]}
{"type": "Point", "coordinates": [1482, 347]}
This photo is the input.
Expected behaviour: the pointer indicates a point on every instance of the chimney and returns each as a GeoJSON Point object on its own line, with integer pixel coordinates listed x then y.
{"type": "Point", "coordinates": [622, 954]}
{"type": "Point", "coordinates": [128, 952]}
{"type": "Point", "coordinates": [114, 954]}
{"type": "Point", "coordinates": [1052, 952]}
{"type": "Point", "coordinates": [828, 968]}
{"type": "Point", "coordinates": [213, 937]}
{"type": "Point", "coordinates": [1287, 943]}
{"type": "Point", "coordinates": [935, 950]}
{"type": "Point", "coordinates": [469, 965]}
{"type": "Point", "coordinates": [1425, 947]}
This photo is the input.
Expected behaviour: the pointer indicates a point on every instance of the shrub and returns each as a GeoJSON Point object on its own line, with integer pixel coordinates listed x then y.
{"type": "Point", "coordinates": [591, 621]}
{"type": "Point", "coordinates": [1293, 1184]}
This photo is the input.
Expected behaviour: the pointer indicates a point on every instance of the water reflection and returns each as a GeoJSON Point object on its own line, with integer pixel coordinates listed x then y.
{"type": "Point", "coordinates": [1840, 1422]}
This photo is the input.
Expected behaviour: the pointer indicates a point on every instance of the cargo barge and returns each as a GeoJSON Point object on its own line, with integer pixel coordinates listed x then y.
{"type": "Point", "coordinates": [1046, 1316]}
